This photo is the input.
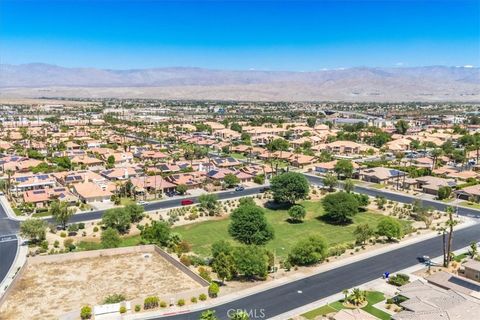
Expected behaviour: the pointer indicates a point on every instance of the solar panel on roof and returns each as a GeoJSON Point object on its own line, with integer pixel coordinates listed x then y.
{"type": "Point", "coordinates": [38, 191]}
{"type": "Point", "coordinates": [69, 178]}
{"type": "Point", "coordinates": [464, 283]}
{"type": "Point", "coordinates": [42, 177]}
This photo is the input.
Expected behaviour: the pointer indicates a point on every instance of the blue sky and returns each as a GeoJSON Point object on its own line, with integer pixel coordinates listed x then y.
{"type": "Point", "coordinates": [263, 35]}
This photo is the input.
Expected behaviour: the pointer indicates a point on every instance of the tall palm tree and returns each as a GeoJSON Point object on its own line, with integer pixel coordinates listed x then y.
{"type": "Point", "coordinates": [450, 224]}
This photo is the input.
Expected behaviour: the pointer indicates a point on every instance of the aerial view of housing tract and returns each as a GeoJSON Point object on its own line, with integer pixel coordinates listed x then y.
{"type": "Point", "coordinates": [239, 160]}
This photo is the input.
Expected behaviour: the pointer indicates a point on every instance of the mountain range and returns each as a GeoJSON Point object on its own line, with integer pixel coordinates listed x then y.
{"type": "Point", "coordinates": [433, 83]}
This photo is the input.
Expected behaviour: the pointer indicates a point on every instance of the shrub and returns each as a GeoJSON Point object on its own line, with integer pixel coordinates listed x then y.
{"type": "Point", "coordinates": [308, 251]}
{"type": "Point", "coordinates": [213, 290]}
{"type": "Point", "coordinates": [81, 226]}
{"type": "Point", "coordinates": [56, 244]}
{"type": "Point", "coordinates": [150, 302]}
{"type": "Point", "coordinates": [63, 234]}
{"type": "Point", "coordinates": [114, 298]}
{"type": "Point", "coordinates": [202, 297]}
{"type": "Point", "coordinates": [185, 260]}
{"type": "Point", "coordinates": [163, 304]}
{"type": "Point", "coordinates": [123, 309]}
{"type": "Point", "coordinates": [95, 229]}
{"type": "Point", "coordinates": [86, 312]}
{"type": "Point", "coordinates": [138, 308]}
{"type": "Point", "coordinates": [193, 300]}
{"type": "Point", "coordinates": [337, 250]}
{"type": "Point", "coordinates": [181, 302]}
{"type": "Point", "coordinates": [399, 279]}
{"type": "Point", "coordinates": [68, 244]}
{"type": "Point", "coordinates": [205, 274]}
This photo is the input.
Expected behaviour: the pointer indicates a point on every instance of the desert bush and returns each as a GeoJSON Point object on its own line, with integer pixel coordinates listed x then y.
{"type": "Point", "coordinates": [150, 302]}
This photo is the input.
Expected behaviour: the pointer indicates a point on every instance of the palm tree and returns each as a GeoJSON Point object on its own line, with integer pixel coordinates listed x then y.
{"type": "Point", "coordinates": [436, 153]}
{"type": "Point", "coordinates": [345, 293]}
{"type": "Point", "coordinates": [357, 297]}
{"type": "Point", "coordinates": [450, 223]}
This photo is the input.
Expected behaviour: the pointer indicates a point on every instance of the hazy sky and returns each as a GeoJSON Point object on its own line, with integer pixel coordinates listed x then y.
{"type": "Point", "coordinates": [267, 35]}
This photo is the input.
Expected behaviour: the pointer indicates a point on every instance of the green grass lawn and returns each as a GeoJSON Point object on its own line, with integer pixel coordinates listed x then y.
{"type": "Point", "coordinates": [126, 201]}
{"type": "Point", "coordinates": [470, 204]}
{"type": "Point", "coordinates": [460, 257]}
{"type": "Point", "coordinates": [201, 235]}
{"type": "Point", "coordinates": [373, 297]}
{"type": "Point", "coordinates": [377, 185]}
{"type": "Point", "coordinates": [322, 311]}
{"type": "Point", "coordinates": [238, 156]}
{"type": "Point", "coordinates": [126, 242]}
{"type": "Point", "coordinates": [41, 214]}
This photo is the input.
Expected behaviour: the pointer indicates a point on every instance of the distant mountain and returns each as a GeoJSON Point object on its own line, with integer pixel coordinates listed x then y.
{"type": "Point", "coordinates": [436, 83]}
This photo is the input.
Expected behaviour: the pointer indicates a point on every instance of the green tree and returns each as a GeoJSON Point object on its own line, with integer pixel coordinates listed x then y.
{"type": "Point", "coordinates": [110, 238]}
{"type": "Point", "coordinates": [213, 290]}
{"type": "Point", "coordinates": [60, 212]}
{"type": "Point", "coordinates": [278, 144]}
{"type": "Point", "coordinates": [344, 168]}
{"type": "Point", "coordinates": [473, 251]}
{"type": "Point", "coordinates": [289, 187]}
{"type": "Point", "coordinates": [340, 207]}
{"type": "Point", "coordinates": [224, 266]}
{"type": "Point", "coordinates": [135, 211]}
{"type": "Point", "coordinates": [362, 233]}
{"type": "Point", "coordinates": [158, 233]}
{"type": "Point", "coordinates": [308, 251]}
{"type": "Point", "coordinates": [117, 218]}
{"type": "Point", "coordinates": [251, 261]}
{"type": "Point", "coordinates": [311, 121]}
{"type": "Point", "coordinates": [248, 225]}
{"type": "Point", "coordinates": [402, 126]}
{"type": "Point", "coordinates": [209, 203]}
{"type": "Point", "coordinates": [390, 228]}
{"type": "Point", "coordinates": [330, 181]}
{"type": "Point", "coordinates": [33, 229]}
{"type": "Point", "coordinates": [111, 161]}
{"type": "Point", "coordinates": [230, 180]}
{"type": "Point", "coordinates": [444, 192]}
{"type": "Point", "coordinates": [297, 213]}
{"type": "Point", "coordinates": [348, 185]}
{"type": "Point", "coordinates": [236, 127]}
{"type": "Point", "coordinates": [181, 189]}
{"type": "Point", "coordinates": [221, 246]}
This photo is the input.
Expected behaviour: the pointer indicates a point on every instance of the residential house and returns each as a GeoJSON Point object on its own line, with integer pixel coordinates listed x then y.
{"type": "Point", "coordinates": [88, 162]}
{"type": "Point", "coordinates": [24, 182]}
{"type": "Point", "coordinates": [381, 175]}
{"type": "Point", "coordinates": [116, 174]}
{"type": "Point", "coordinates": [426, 302]}
{"type": "Point", "coordinates": [154, 183]}
{"type": "Point", "coordinates": [42, 197]}
{"type": "Point", "coordinates": [89, 192]}
{"type": "Point", "coordinates": [430, 185]}
{"type": "Point", "coordinates": [472, 270]}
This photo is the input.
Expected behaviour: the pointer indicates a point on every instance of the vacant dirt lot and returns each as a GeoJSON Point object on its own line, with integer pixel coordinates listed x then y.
{"type": "Point", "coordinates": [48, 290]}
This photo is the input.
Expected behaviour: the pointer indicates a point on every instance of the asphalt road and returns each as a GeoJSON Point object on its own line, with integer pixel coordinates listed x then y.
{"type": "Point", "coordinates": [266, 304]}
{"type": "Point", "coordinates": [290, 296]}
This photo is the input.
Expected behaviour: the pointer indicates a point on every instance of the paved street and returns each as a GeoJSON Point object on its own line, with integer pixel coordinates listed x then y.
{"type": "Point", "coordinates": [287, 297]}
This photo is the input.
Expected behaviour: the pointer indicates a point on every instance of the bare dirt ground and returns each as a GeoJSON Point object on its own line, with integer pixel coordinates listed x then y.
{"type": "Point", "coordinates": [48, 290]}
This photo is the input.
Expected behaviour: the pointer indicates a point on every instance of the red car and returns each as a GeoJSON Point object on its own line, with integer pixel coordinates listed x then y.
{"type": "Point", "coordinates": [186, 202]}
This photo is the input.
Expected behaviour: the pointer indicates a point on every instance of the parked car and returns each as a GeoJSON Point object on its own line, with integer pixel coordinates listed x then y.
{"type": "Point", "coordinates": [239, 188]}
{"type": "Point", "coordinates": [264, 189]}
{"type": "Point", "coordinates": [186, 202]}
